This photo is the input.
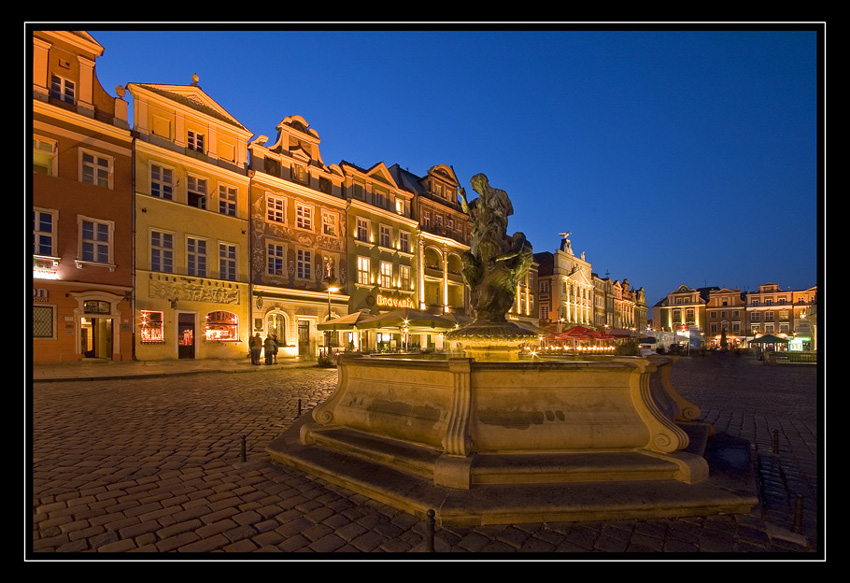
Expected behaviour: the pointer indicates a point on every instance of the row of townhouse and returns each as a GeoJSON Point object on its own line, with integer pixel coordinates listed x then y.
{"type": "Point", "coordinates": [184, 236]}
{"type": "Point", "coordinates": [733, 315]}
{"type": "Point", "coordinates": [571, 294]}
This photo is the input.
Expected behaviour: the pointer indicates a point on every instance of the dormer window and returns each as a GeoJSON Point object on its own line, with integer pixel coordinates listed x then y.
{"type": "Point", "coordinates": [62, 89]}
{"type": "Point", "coordinates": [299, 174]}
{"type": "Point", "coordinates": [195, 141]}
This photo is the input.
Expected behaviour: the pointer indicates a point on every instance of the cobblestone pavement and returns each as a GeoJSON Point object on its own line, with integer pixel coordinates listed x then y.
{"type": "Point", "coordinates": [154, 465]}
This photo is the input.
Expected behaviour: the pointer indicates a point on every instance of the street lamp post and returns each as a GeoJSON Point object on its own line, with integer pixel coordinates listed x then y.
{"type": "Point", "coordinates": [331, 283]}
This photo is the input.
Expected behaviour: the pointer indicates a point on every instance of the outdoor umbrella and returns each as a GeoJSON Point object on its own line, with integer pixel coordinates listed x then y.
{"type": "Point", "coordinates": [576, 332]}
{"type": "Point", "coordinates": [348, 322]}
{"type": "Point", "coordinates": [769, 339]}
{"type": "Point", "coordinates": [408, 317]}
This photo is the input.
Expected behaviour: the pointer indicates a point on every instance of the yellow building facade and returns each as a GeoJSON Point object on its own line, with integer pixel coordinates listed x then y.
{"type": "Point", "coordinates": [192, 295]}
{"type": "Point", "coordinates": [298, 239]}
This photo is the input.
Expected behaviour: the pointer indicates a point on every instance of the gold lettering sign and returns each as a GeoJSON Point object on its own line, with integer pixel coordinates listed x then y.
{"type": "Point", "coordinates": [394, 302]}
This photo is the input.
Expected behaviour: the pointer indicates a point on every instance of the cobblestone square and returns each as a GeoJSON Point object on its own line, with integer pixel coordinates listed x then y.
{"type": "Point", "coordinates": [154, 465]}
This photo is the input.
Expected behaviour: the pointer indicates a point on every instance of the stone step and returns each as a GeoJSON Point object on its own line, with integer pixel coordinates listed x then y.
{"type": "Point", "coordinates": [404, 457]}
{"type": "Point", "coordinates": [730, 488]}
{"type": "Point", "coordinates": [505, 468]}
{"type": "Point", "coordinates": [571, 467]}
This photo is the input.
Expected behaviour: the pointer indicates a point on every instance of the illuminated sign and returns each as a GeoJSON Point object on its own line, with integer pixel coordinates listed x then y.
{"type": "Point", "coordinates": [39, 295]}
{"type": "Point", "coordinates": [44, 268]}
{"type": "Point", "coordinates": [394, 302]}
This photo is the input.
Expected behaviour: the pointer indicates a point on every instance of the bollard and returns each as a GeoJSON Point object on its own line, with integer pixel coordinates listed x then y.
{"type": "Point", "coordinates": [798, 514]}
{"type": "Point", "coordinates": [775, 441]}
{"type": "Point", "coordinates": [244, 456]}
{"type": "Point", "coordinates": [429, 531]}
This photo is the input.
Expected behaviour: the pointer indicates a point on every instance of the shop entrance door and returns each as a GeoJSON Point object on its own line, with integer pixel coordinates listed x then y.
{"type": "Point", "coordinates": [303, 338]}
{"type": "Point", "coordinates": [96, 337]}
{"type": "Point", "coordinates": [185, 336]}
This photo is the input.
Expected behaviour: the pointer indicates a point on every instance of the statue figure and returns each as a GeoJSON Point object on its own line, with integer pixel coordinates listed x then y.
{"type": "Point", "coordinates": [565, 242]}
{"type": "Point", "coordinates": [495, 262]}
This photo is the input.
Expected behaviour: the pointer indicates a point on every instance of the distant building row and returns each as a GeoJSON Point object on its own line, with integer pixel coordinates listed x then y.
{"type": "Point", "coordinates": [719, 313]}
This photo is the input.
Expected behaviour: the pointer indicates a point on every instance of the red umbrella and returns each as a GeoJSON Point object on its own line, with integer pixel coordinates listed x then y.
{"type": "Point", "coordinates": [576, 332]}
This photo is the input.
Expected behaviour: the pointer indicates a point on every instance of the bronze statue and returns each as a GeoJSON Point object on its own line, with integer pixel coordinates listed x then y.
{"type": "Point", "coordinates": [495, 262]}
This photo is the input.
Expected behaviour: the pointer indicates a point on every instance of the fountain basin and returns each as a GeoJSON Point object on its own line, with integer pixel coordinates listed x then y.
{"type": "Point", "coordinates": [494, 442]}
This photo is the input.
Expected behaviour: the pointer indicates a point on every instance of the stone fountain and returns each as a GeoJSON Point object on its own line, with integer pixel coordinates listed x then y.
{"type": "Point", "coordinates": [492, 438]}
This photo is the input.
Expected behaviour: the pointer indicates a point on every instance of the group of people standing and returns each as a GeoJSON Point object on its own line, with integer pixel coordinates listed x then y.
{"type": "Point", "coordinates": [267, 346]}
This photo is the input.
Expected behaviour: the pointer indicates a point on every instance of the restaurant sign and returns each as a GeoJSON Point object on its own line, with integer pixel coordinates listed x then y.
{"type": "Point", "coordinates": [395, 302]}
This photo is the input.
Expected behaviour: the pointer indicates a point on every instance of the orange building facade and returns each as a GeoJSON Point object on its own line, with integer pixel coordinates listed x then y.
{"type": "Point", "coordinates": [82, 197]}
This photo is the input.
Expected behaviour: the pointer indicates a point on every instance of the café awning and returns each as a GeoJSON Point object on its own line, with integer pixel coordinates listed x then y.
{"type": "Point", "coordinates": [348, 322]}
{"type": "Point", "coordinates": [769, 339]}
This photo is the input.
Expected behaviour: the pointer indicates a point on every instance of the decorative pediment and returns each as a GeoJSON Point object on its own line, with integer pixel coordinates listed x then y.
{"type": "Point", "coordinates": [193, 97]}
{"type": "Point", "coordinates": [381, 173]}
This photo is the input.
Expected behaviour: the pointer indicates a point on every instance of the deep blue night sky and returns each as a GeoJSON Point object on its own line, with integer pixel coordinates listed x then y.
{"type": "Point", "coordinates": [673, 157]}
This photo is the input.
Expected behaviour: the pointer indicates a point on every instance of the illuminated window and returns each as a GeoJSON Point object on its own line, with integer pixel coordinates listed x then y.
{"type": "Point", "coordinates": [162, 182]}
{"type": "Point", "coordinates": [95, 169]}
{"type": "Point", "coordinates": [227, 261]}
{"type": "Point", "coordinates": [386, 274]}
{"type": "Point", "coordinates": [303, 217]}
{"type": "Point", "coordinates": [299, 174]}
{"type": "Point", "coordinates": [275, 209]}
{"type": "Point", "coordinates": [227, 200]}
{"type": "Point", "coordinates": [274, 259]}
{"type": "Point", "coordinates": [43, 232]}
{"type": "Point", "coordinates": [95, 241]}
{"type": "Point", "coordinates": [96, 307]}
{"type": "Point", "coordinates": [44, 156]}
{"type": "Point", "coordinates": [302, 264]}
{"type": "Point", "coordinates": [196, 257]}
{"type": "Point", "coordinates": [196, 192]}
{"type": "Point", "coordinates": [386, 236]}
{"type": "Point", "coordinates": [62, 89]}
{"type": "Point", "coordinates": [363, 270]}
{"type": "Point", "coordinates": [162, 252]}
{"type": "Point", "coordinates": [195, 141]}
{"type": "Point", "coordinates": [362, 229]}
{"type": "Point", "coordinates": [221, 326]}
{"type": "Point", "coordinates": [329, 221]}
{"type": "Point", "coordinates": [150, 327]}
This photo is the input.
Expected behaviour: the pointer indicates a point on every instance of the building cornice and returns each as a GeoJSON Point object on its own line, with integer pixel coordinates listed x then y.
{"type": "Point", "coordinates": [71, 117]}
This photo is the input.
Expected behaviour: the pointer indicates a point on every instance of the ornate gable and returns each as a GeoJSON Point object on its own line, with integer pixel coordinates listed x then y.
{"type": "Point", "coordinates": [193, 97]}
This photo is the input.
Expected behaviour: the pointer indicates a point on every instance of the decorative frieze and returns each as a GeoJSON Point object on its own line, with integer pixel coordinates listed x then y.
{"type": "Point", "coordinates": [195, 289]}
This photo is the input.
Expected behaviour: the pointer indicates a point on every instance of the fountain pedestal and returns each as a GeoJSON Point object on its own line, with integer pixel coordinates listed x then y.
{"type": "Point", "coordinates": [523, 441]}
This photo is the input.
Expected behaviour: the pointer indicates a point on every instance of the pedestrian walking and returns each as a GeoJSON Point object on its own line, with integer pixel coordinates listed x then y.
{"type": "Point", "coordinates": [276, 345]}
{"type": "Point", "coordinates": [268, 349]}
{"type": "Point", "coordinates": [256, 345]}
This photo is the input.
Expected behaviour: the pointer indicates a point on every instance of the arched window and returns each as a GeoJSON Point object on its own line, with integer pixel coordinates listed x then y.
{"type": "Point", "coordinates": [221, 325]}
